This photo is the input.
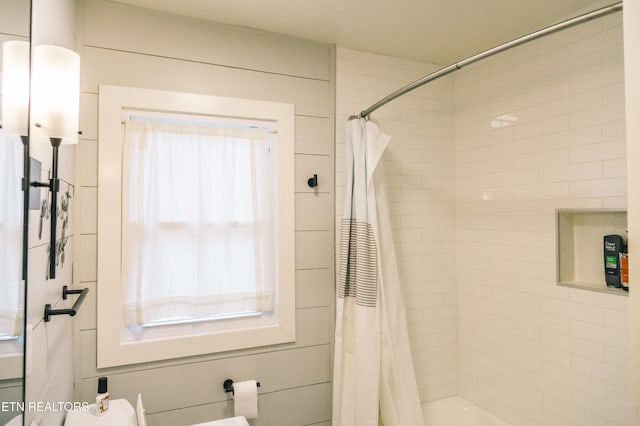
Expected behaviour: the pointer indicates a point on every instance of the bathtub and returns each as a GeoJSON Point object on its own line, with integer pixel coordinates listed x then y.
{"type": "Point", "coordinates": [457, 411]}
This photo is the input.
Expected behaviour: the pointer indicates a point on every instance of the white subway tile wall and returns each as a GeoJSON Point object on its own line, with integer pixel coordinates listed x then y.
{"type": "Point", "coordinates": [473, 188]}
{"type": "Point", "coordinates": [532, 352]}
{"type": "Point", "coordinates": [419, 166]}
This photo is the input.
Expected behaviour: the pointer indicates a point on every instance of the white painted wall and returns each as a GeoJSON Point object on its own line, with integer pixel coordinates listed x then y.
{"type": "Point", "coordinates": [132, 47]}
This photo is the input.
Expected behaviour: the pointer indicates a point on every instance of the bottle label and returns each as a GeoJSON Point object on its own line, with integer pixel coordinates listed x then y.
{"type": "Point", "coordinates": [102, 404]}
{"type": "Point", "coordinates": [624, 268]}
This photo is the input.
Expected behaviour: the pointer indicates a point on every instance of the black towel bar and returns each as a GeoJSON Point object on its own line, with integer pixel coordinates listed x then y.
{"type": "Point", "coordinates": [48, 312]}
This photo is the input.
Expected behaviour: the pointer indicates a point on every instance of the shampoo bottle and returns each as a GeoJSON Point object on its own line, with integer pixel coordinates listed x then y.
{"type": "Point", "coordinates": [102, 400]}
{"type": "Point", "coordinates": [612, 249]}
{"type": "Point", "coordinates": [624, 267]}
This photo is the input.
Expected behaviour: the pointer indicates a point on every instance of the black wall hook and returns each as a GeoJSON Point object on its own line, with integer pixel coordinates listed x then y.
{"type": "Point", "coordinates": [313, 181]}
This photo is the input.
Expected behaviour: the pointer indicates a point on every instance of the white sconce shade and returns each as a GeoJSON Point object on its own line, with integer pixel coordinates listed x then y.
{"type": "Point", "coordinates": [55, 93]}
{"type": "Point", "coordinates": [15, 87]}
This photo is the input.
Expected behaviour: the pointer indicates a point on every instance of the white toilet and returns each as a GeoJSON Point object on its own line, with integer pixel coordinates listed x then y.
{"type": "Point", "coordinates": [231, 421]}
{"type": "Point", "coordinates": [122, 413]}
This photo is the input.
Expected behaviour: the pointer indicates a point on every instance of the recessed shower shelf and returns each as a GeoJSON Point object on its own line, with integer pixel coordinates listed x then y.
{"type": "Point", "coordinates": [579, 240]}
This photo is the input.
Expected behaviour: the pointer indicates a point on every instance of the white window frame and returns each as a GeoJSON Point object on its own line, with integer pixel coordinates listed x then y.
{"type": "Point", "coordinates": [116, 344]}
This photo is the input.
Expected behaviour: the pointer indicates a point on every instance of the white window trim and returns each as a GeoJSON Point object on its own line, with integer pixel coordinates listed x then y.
{"type": "Point", "coordinates": [11, 358]}
{"type": "Point", "coordinates": [112, 349]}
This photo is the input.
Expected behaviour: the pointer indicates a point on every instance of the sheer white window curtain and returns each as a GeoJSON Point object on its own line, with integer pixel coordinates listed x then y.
{"type": "Point", "coordinates": [10, 235]}
{"type": "Point", "coordinates": [198, 222]}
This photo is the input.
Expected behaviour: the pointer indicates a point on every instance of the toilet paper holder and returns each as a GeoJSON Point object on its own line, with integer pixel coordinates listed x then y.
{"type": "Point", "coordinates": [228, 385]}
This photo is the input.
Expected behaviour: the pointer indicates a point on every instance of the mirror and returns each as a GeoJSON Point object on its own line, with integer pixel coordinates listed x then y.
{"type": "Point", "coordinates": [49, 348]}
{"type": "Point", "coordinates": [14, 46]}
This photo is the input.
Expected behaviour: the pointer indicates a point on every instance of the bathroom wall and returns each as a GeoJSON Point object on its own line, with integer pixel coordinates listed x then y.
{"type": "Point", "coordinates": [539, 127]}
{"type": "Point", "coordinates": [133, 47]}
{"type": "Point", "coordinates": [632, 106]}
{"type": "Point", "coordinates": [49, 376]}
{"type": "Point", "coordinates": [419, 169]}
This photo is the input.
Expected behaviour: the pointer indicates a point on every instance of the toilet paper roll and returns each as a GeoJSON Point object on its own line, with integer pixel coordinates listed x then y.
{"type": "Point", "coordinates": [245, 399]}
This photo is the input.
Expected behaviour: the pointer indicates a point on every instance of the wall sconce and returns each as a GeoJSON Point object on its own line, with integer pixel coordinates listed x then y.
{"type": "Point", "coordinates": [15, 87]}
{"type": "Point", "coordinates": [55, 92]}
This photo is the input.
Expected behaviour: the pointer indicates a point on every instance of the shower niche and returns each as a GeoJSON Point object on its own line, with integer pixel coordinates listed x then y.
{"type": "Point", "coordinates": [580, 252]}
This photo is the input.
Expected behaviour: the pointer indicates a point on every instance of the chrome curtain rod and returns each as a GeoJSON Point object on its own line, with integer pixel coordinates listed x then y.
{"type": "Point", "coordinates": [612, 8]}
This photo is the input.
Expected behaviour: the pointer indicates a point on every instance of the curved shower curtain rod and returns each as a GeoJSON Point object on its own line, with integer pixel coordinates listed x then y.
{"type": "Point", "coordinates": [612, 8]}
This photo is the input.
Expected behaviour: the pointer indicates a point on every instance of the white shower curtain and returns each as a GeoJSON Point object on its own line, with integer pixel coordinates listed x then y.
{"type": "Point", "coordinates": [373, 378]}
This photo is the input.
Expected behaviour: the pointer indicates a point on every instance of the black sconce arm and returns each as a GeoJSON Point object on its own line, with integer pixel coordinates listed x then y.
{"type": "Point", "coordinates": [54, 186]}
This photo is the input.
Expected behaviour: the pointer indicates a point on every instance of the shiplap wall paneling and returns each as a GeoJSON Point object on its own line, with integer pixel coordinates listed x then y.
{"type": "Point", "coordinates": [219, 60]}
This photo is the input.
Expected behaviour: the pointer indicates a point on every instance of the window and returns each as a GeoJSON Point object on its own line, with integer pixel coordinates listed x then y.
{"type": "Point", "coordinates": [195, 230]}
{"type": "Point", "coordinates": [197, 221]}
{"type": "Point", "coordinates": [11, 305]}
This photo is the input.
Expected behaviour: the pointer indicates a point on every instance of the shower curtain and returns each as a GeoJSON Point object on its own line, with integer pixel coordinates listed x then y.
{"type": "Point", "coordinates": [373, 377]}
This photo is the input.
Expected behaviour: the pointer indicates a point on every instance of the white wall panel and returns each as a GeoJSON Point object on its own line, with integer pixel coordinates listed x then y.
{"type": "Point", "coordinates": [139, 30]}
{"type": "Point", "coordinates": [311, 330]}
{"type": "Point", "coordinates": [314, 288]}
{"type": "Point", "coordinates": [313, 136]}
{"type": "Point", "coordinates": [104, 66]}
{"type": "Point", "coordinates": [282, 408]}
{"type": "Point", "coordinates": [197, 383]}
{"type": "Point", "coordinates": [312, 251]}
{"type": "Point", "coordinates": [309, 165]}
{"type": "Point", "coordinates": [218, 60]}
{"type": "Point", "coordinates": [314, 211]}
